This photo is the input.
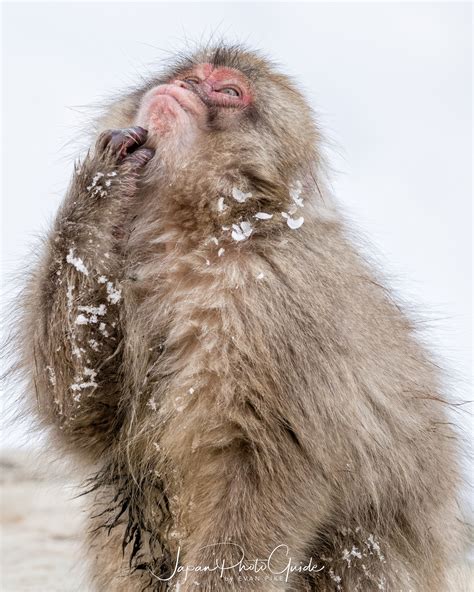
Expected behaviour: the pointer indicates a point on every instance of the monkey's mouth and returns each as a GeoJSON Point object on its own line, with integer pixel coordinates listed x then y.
{"type": "Point", "coordinates": [166, 103]}
{"type": "Point", "coordinates": [188, 99]}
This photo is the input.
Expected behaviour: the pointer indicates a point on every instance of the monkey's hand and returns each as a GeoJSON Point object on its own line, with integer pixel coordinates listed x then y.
{"type": "Point", "coordinates": [124, 147]}
{"type": "Point", "coordinates": [104, 184]}
{"type": "Point", "coordinates": [73, 317]}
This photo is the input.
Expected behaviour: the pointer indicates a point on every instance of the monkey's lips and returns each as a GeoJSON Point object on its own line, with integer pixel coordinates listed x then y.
{"type": "Point", "coordinates": [165, 106]}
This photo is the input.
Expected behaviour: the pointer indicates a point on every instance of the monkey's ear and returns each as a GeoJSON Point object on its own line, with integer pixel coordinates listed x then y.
{"type": "Point", "coordinates": [119, 113]}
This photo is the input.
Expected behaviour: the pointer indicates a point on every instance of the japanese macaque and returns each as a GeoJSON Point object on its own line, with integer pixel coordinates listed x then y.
{"type": "Point", "coordinates": [255, 409]}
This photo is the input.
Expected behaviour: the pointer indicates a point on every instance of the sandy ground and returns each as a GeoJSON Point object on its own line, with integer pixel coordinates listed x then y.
{"type": "Point", "coordinates": [41, 522]}
{"type": "Point", "coordinates": [40, 525]}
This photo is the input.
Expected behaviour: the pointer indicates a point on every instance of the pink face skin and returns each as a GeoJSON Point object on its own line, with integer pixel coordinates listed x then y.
{"type": "Point", "coordinates": [181, 106]}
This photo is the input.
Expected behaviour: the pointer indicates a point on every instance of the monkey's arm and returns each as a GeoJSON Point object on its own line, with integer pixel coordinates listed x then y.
{"type": "Point", "coordinates": [72, 317]}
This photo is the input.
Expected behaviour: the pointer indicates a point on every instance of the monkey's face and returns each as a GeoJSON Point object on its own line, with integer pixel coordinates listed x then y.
{"type": "Point", "coordinates": [198, 100]}
{"type": "Point", "coordinates": [223, 101]}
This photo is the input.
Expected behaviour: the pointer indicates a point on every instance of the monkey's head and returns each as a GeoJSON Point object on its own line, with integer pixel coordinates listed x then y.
{"type": "Point", "coordinates": [228, 102]}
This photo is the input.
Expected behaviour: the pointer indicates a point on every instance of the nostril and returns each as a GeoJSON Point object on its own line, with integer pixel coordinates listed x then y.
{"type": "Point", "coordinates": [181, 83]}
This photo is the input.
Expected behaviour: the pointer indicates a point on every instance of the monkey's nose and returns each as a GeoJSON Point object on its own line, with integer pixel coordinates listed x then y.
{"type": "Point", "coordinates": [182, 84]}
{"type": "Point", "coordinates": [192, 87]}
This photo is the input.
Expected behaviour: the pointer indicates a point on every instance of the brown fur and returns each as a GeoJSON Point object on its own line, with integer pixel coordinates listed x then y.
{"type": "Point", "coordinates": [294, 407]}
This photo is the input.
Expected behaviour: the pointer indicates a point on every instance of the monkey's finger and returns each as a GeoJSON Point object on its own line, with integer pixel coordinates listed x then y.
{"type": "Point", "coordinates": [121, 142]}
{"type": "Point", "coordinates": [139, 158]}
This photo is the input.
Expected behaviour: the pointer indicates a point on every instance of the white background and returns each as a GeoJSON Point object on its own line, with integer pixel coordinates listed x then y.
{"type": "Point", "coordinates": [391, 84]}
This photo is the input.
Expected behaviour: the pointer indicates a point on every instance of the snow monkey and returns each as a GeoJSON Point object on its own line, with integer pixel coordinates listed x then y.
{"type": "Point", "coordinates": [254, 407]}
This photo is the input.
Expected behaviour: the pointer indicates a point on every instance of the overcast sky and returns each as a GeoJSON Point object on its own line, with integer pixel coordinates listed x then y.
{"type": "Point", "coordinates": [391, 84]}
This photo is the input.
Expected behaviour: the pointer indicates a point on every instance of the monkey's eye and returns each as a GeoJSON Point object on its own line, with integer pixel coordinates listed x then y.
{"type": "Point", "coordinates": [191, 80]}
{"type": "Point", "coordinates": [229, 90]}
